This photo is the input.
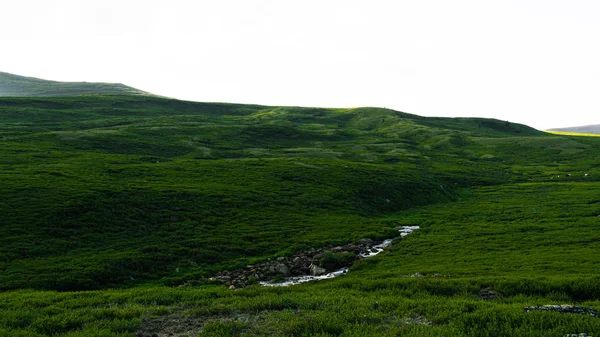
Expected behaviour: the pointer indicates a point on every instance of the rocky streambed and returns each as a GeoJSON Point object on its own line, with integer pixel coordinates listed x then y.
{"type": "Point", "coordinates": [312, 265]}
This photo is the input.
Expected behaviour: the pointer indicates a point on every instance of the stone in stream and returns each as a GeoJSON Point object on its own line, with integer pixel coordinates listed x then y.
{"type": "Point", "coordinates": [282, 269]}
{"type": "Point", "coordinates": [317, 271]}
{"type": "Point", "coordinates": [365, 241]}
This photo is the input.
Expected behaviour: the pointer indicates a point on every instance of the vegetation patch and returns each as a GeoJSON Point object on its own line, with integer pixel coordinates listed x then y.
{"type": "Point", "coordinates": [333, 261]}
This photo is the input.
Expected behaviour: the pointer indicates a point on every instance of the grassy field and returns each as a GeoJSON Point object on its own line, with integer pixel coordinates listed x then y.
{"type": "Point", "coordinates": [110, 203]}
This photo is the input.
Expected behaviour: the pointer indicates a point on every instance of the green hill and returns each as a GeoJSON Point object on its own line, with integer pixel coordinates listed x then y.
{"type": "Point", "coordinates": [117, 201]}
{"type": "Point", "coordinates": [20, 86]}
{"type": "Point", "coordinates": [138, 178]}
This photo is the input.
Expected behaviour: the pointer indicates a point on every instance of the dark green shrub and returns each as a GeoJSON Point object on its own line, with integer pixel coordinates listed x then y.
{"type": "Point", "coordinates": [331, 260]}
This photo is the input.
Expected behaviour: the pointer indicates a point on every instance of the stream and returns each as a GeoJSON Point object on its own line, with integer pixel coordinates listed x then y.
{"type": "Point", "coordinates": [374, 250]}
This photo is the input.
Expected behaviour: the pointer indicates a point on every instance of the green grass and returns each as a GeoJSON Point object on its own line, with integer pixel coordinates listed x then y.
{"type": "Point", "coordinates": [568, 133]}
{"type": "Point", "coordinates": [340, 307]}
{"type": "Point", "coordinates": [111, 202]}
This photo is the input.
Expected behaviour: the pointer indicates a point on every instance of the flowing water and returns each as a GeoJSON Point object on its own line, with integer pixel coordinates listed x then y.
{"type": "Point", "coordinates": [376, 249]}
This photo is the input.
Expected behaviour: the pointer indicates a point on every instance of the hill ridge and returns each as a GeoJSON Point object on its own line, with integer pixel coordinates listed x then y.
{"type": "Point", "coordinates": [592, 128]}
{"type": "Point", "coordinates": [12, 85]}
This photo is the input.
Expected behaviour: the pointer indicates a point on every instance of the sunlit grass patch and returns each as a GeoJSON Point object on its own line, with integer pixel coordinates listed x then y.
{"type": "Point", "coordinates": [579, 134]}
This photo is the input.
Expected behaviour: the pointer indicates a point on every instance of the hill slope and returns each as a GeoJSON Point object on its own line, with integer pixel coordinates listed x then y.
{"type": "Point", "coordinates": [151, 178]}
{"type": "Point", "coordinates": [20, 86]}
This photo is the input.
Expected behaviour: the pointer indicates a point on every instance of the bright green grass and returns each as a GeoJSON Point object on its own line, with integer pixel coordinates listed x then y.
{"type": "Point", "coordinates": [131, 195]}
{"type": "Point", "coordinates": [514, 230]}
{"type": "Point", "coordinates": [566, 133]}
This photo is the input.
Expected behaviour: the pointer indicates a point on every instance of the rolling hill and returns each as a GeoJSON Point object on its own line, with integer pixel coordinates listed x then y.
{"type": "Point", "coordinates": [20, 86]}
{"type": "Point", "coordinates": [131, 174]}
{"type": "Point", "coordinates": [591, 129]}
{"type": "Point", "coordinates": [117, 211]}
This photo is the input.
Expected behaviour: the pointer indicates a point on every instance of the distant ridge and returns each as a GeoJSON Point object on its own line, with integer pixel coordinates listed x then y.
{"type": "Point", "coordinates": [594, 129]}
{"type": "Point", "coordinates": [20, 86]}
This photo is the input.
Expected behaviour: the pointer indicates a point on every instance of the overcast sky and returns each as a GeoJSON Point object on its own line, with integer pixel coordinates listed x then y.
{"type": "Point", "coordinates": [535, 62]}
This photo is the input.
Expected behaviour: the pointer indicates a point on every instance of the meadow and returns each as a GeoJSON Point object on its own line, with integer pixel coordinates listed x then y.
{"type": "Point", "coordinates": [117, 209]}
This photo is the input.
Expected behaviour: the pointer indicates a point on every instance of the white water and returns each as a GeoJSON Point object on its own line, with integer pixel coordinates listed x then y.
{"type": "Point", "coordinates": [303, 279]}
{"type": "Point", "coordinates": [378, 248]}
{"type": "Point", "coordinates": [403, 230]}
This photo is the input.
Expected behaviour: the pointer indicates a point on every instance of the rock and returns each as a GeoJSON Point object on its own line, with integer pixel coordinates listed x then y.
{"type": "Point", "coordinates": [317, 271]}
{"type": "Point", "coordinates": [487, 294]}
{"type": "Point", "coordinates": [417, 320]}
{"type": "Point", "coordinates": [365, 241]}
{"type": "Point", "coordinates": [282, 269]}
{"type": "Point", "coordinates": [352, 248]}
{"type": "Point", "coordinates": [564, 309]}
{"type": "Point", "coordinates": [416, 275]}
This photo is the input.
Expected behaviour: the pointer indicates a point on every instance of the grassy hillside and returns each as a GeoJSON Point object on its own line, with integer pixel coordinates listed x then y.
{"type": "Point", "coordinates": [21, 86]}
{"type": "Point", "coordinates": [140, 194]}
{"type": "Point", "coordinates": [118, 183]}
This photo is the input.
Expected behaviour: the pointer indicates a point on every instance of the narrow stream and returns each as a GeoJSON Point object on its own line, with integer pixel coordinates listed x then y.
{"type": "Point", "coordinates": [376, 249]}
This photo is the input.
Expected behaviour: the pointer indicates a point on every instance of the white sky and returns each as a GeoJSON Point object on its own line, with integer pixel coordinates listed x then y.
{"type": "Point", "coordinates": [535, 62]}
